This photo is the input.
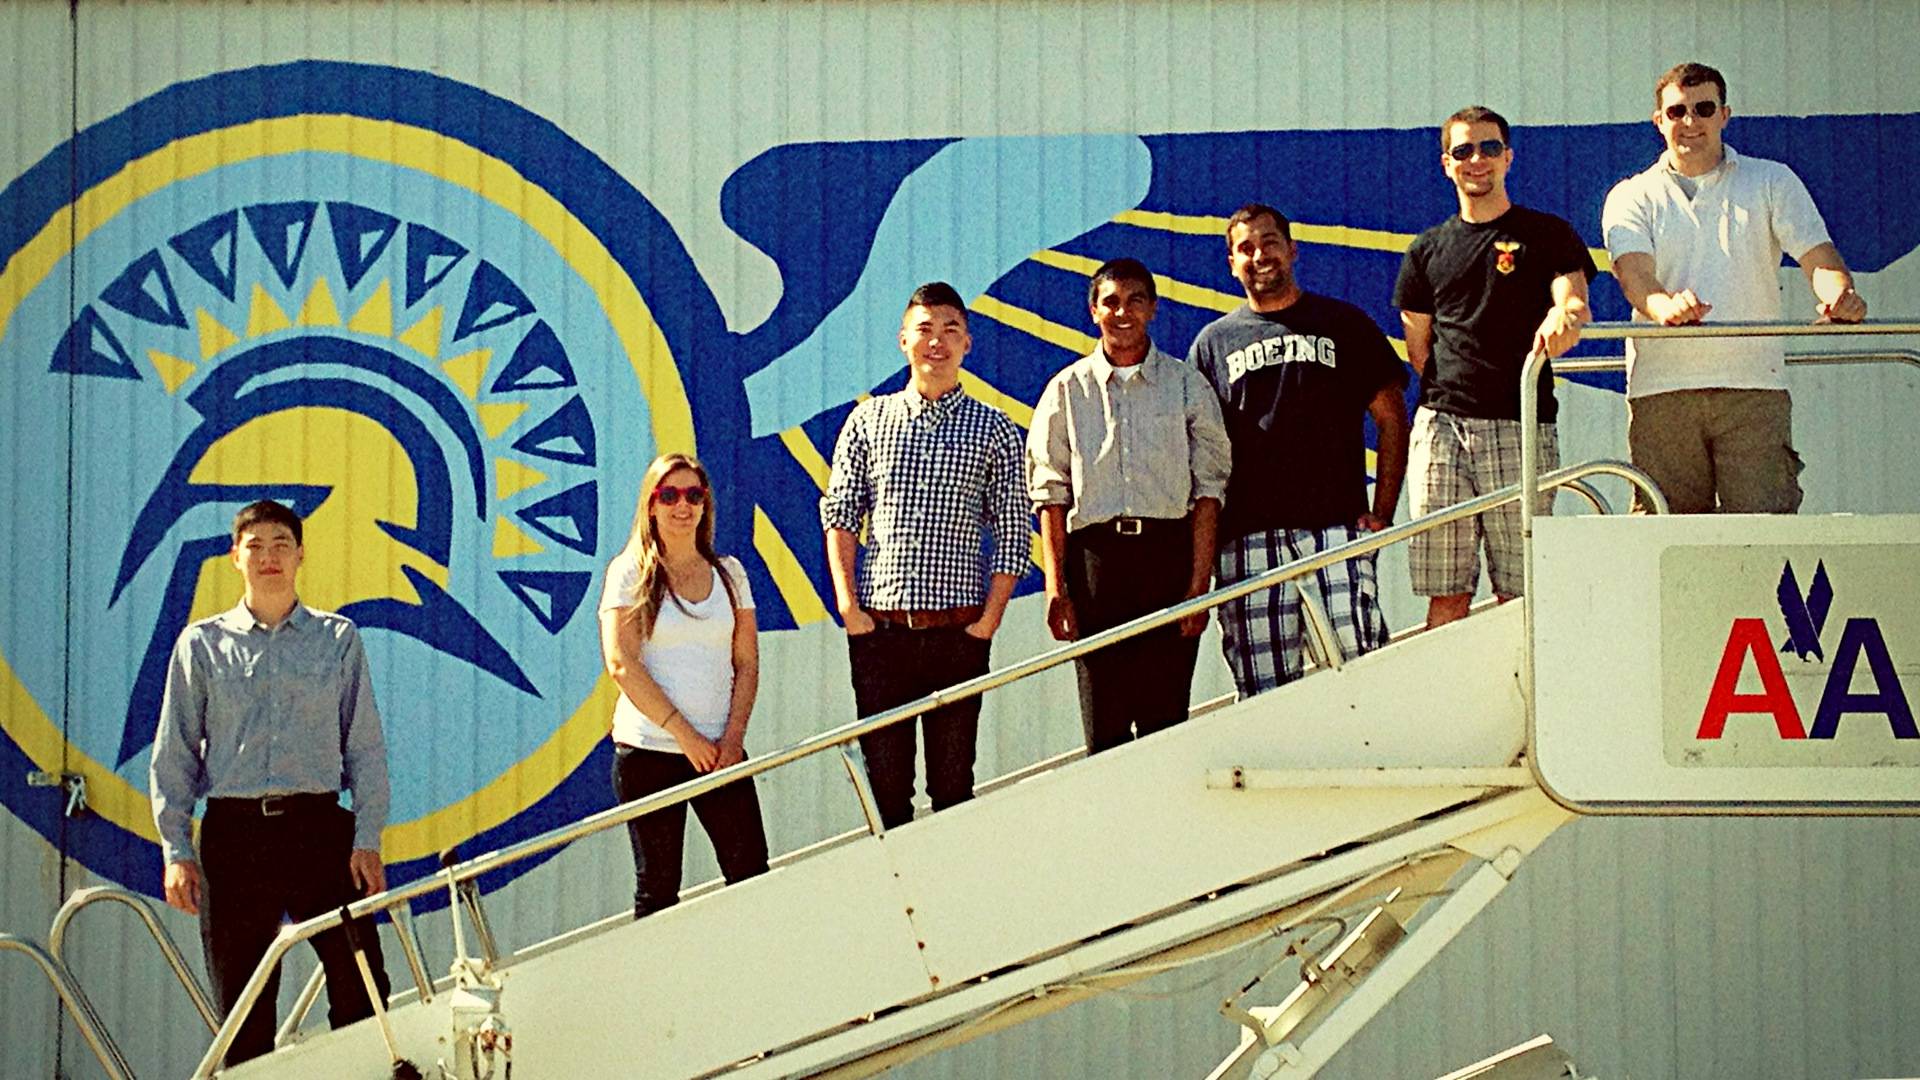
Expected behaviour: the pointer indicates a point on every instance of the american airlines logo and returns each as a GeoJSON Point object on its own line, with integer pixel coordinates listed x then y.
{"type": "Point", "coordinates": [1862, 680]}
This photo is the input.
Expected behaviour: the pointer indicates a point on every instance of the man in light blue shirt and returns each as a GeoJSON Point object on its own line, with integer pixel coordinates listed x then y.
{"type": "Point", "coordinates": [269, 715]}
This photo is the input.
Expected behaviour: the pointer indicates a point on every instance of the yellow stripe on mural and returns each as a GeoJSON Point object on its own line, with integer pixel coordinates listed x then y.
{"type": "Point", "coordinates": [807, 455]}
{"type": "Point", "coordinates": [1179, 292]}
{"type": "Point", "coordinates": [788, 575]}
{"type": "Point", "coordinates": [1018, 411]}
{"type": "Point", "coordinates": [1066, 337]}
{"type": "Point", "coordinates": [1331, 235]}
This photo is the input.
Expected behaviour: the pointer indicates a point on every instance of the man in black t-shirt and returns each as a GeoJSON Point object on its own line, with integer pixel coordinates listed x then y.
{"type": "Point", "coordinates": [1476, 294]}
{"type": "Point", "coordinates": [1297, 373]}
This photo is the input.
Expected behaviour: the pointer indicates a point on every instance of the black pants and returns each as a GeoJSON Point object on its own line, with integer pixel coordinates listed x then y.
{"type": "Point", "coordinates": [730, 814]}
{"type": "Point", "coordinates": [892, 666]}
{"type": "Point", "coordinates": [1142, 684]}
{"type": "Point", "coordinates": [259, 868]}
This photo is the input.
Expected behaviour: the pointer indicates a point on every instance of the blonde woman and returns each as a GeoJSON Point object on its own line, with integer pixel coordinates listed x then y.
{"type": "Point", "coordinates": [678, 634]}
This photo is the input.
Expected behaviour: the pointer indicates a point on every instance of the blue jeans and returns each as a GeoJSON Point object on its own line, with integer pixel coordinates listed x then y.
{"type": "Point", "coordinates": [730, 814]}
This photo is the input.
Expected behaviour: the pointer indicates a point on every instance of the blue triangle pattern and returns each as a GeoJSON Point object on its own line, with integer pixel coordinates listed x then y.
{"type": "Point", "coordinates": [566, 436]}
{"type": "Point", "coordinates": [488, 293]}
{"type": "Point", "coordinates": [281, 230]}
{"type": "Point", "coordinates": [360, 237]}
{"type": "Point", "coordinates": [539, 351]}
{"type": "Point", "coordinates": [144, 291]}
{"type": "Point", "coordinates": [90, 348]}
{"type": "Point", "coordinates": [551, 595]}
{"type": "Point", "coordinates": [430, 258]}
{"type": "Point", "coordinates": [209, 250]}
{"type": "Point", "coordinates": [578, 507]}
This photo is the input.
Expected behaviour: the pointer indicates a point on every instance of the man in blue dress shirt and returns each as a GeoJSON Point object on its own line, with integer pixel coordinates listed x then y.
{"type": "Point", "coordinates": [269, 715]}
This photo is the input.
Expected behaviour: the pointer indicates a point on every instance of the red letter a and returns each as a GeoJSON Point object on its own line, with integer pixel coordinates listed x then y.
{"type": "Point", "coordinates": [1750, 636]}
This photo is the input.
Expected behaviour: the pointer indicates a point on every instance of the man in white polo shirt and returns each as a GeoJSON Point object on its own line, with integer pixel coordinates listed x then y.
{"type": "Point", "coordinates": [1696, 238]}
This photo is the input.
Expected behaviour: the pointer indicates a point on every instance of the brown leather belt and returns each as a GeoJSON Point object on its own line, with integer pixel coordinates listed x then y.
{"type": "Point", "coordinates": [929, 620]}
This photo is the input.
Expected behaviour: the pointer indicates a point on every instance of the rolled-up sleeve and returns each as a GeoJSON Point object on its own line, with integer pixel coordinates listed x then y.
{"type": "Point", "coordinates": [1007, 505]}
{"type": "Point", "coordinates": [1050, 449]}
{"type": "Point", "coordinates": [363, 749]}
{"type": "Point", "coordinates": [177, 771]}
{"type": "Point", "coordinates": [1209, 454]}
{"type": "Point", "coordinates": [846, 502]}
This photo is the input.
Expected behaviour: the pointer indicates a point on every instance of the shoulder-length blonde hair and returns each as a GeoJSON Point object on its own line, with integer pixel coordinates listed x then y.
{"type": "Point", "coordinates": [645, 548]}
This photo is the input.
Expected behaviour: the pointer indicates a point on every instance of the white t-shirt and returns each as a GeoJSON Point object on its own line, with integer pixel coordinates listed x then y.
{"type": "Point", "coordinates": [690, 654]}
{"type": "Point", "coordinates": [1724, 243]}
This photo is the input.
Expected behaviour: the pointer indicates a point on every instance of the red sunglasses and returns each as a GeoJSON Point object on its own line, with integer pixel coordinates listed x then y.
{"type": "Point", "coordinates": [667, 496]}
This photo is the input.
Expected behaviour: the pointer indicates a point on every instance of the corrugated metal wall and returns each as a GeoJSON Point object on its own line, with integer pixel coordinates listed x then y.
{"type": "Point", "coordinates": [716, 190]}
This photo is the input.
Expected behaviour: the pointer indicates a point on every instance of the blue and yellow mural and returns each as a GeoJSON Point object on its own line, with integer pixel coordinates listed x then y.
{"type": "Point", "coordinates": [453, 337]}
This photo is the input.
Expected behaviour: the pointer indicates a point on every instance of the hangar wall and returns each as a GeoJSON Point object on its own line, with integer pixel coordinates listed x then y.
{"type": "Point", "coordinates": [448, 275]}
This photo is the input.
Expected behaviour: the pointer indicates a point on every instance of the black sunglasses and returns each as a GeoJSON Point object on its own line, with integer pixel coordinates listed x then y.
{"type": "Point", "coordinates": [667, 496]}
{"type": "Point", "coordinates": [1489, 148]}
{"type": "Point", "coordinates": [1701, 109]}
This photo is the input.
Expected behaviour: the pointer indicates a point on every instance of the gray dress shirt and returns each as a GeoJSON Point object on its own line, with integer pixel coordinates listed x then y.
{"type": "Point", "coordinates": [1105, 446]}
{"type": "Point", "coordinates": [250, 711]}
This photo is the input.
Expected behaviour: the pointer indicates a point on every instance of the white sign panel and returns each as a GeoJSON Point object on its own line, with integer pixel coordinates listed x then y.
{"type": "Point", "coordinates": [1728, 663]}
{"type": "Point", "coordinates": [1790, 656]}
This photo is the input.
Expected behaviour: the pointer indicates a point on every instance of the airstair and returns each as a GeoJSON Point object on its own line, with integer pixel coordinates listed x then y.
{"type": "Point", "coordinates": [1362, 816]}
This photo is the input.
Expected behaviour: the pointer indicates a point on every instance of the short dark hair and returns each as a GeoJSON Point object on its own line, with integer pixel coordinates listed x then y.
{"type": "Point", "coordinates": [1254, 210]}
{"type": "Point", "coordinates": [938, 294]}
{"type": "Point", "coordinates": [1122, 270]}
{"type": "Point", "coordinates": [267, 512]}
{"type": "Point", "coordinates": [1687, 75]}
{"type": "Point", "coordinates": [1474, 114]}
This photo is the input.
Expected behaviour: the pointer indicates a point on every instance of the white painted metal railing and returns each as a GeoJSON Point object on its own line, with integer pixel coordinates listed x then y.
{"type": "Point", "coordinates": [838, 738]}
{"type": "Point", "coordinates": [1530, 478]}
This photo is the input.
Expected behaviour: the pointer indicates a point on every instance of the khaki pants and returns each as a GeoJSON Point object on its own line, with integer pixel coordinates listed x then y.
{"type": "Point", "coordinates": [1725, 450]}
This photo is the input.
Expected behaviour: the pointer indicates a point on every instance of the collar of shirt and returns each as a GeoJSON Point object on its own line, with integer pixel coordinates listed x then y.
{"type": "Point", "coordinates": [1104, 368]}
{"type": "Point", "coordinates": [241, 619]}
{"type": "Point", "coordinates": [1728, 162]}
{"type": "Point", "coordinates": [934, 409]}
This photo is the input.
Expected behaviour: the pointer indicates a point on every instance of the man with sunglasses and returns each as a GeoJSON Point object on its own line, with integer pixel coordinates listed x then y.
{"type": "Point", "coordinates": [1476, 294]}
{"type": "Point", "coordinates": [1700, 234]}
{"type": "Point", "coordinates": [932, 473]}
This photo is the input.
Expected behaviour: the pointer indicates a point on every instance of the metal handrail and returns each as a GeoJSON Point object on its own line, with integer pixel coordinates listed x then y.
{"type": "Point", "coordinates": [1530, 478]}
{"type": "Point", "coordinates": [77, 1005]}
{"type": "Point", "coordinates": [56, 940]}
{"type": "Point", "coordinates": [292, 935]}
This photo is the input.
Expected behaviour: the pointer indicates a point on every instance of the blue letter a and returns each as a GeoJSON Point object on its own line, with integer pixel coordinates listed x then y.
{"type": "Point", "coordinates": [1863, 635]}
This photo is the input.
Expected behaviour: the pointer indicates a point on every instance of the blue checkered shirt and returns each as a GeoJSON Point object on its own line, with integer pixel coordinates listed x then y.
{"type": "Point", "coordinates": [931, 479]}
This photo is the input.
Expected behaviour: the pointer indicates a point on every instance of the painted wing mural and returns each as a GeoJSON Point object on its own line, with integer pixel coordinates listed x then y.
{"type": "Point", "coordinates": [453, 337]}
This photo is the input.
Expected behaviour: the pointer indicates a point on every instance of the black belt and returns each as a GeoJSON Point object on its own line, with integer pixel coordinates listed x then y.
{"type": "Point", "coordinates": [1129, 526]}
{"type": "Point", "coordinates": [277, 805]}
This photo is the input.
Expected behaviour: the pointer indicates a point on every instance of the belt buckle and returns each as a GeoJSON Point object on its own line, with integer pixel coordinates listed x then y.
{"type": "Point", "coordinates": [270, 806]}
{"type": "Point", "coordinates": [1127, 526]}
{"type": "Point", "coordinates": [911, 625]}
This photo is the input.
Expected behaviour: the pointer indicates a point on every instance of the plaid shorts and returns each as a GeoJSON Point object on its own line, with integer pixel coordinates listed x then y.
{"type": "Point", "coordinates": [1262, 635]}
{"type": "Point", "coordinates": [1452, 459]}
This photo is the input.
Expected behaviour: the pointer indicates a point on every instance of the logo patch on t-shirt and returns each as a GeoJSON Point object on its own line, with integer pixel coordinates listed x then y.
{"type": "Point", "coordinates": [1284, 349]}
{"type": "Point", "coordinates": [1504, 261]}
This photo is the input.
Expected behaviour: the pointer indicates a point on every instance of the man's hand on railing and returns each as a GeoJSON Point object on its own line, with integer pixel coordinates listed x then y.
{"type": "Point", "coordinates": [1560, 330]}
{"type": "Point", "coordinates": [1677, 309]}
{"type": "Point", "coordinates": [1372, 522]}
{"type": "Point", "coordinates": [1848, 307]}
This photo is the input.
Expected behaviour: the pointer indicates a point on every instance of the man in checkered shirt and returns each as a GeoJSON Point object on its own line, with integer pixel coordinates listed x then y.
{"type": "Point", "coordinates": [1297, 374]}
{"type": "Point", "coordinates": [931, 473]}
